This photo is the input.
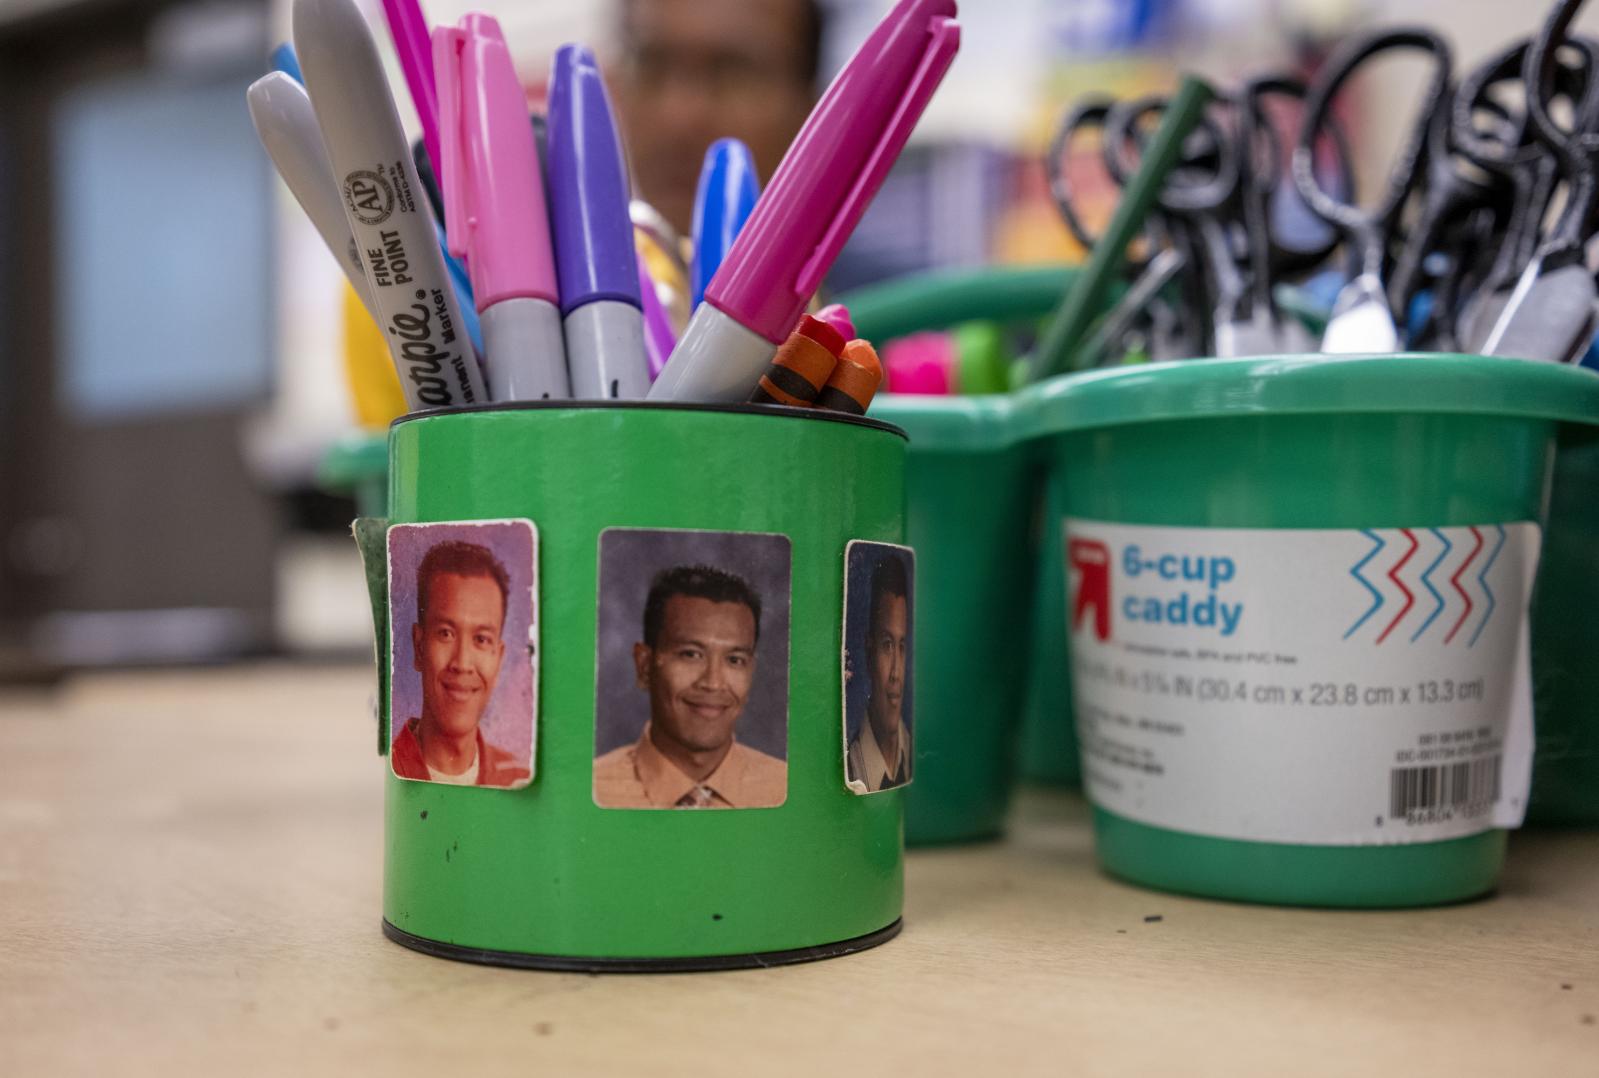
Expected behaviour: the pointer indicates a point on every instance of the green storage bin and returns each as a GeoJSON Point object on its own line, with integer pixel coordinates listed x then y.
{"type": "Point", "coordinates": [970, 490]}
{"type": "Point", "coordinates": [1332, 443]}
{"type": "Point", "coordinates": [1565, 643]}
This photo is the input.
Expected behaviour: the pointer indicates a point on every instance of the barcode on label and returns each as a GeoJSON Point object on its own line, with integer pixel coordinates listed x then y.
{"type": "Point", "coordinates": [1474, 783]}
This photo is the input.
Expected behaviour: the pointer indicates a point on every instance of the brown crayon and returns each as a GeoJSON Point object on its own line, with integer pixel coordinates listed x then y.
{"type": "Point", "coordinates": [801, 366]}
{"type": "Point", "coordinates": [853, 381]}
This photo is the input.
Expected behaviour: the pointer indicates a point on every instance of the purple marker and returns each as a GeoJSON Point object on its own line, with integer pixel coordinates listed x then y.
{"type": "Point", "coordinates": [595, 262]}
{"type": "Point", "coordinates": [659, 338]}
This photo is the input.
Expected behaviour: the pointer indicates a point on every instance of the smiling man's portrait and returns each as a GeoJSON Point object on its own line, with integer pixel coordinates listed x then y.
{"type": "Point", "coordinates": [691, 693]}
{"type": "Point", "coordinates": [461, 608]}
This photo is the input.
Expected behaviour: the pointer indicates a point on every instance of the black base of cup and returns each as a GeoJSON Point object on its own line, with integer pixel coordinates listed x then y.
{"type": "Point", "coordinates": [570, 964]}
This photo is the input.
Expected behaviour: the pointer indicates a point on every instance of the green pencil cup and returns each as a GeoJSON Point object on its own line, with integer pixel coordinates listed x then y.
{"type": "Point", "coordinates": [970, 491]}
{"type": "Point", "coordinates": [542, 875]}
{"type": "Point", "coordinates": [1565, 643]}
{"type": "Point", "coordinates": [1297, 616]}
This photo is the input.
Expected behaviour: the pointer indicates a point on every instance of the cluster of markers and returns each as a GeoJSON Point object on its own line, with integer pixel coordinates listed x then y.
{"type": "Point", "coordinates": [530, 286]}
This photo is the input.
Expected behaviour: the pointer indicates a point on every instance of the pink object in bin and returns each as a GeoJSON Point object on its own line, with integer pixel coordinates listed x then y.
{"type": "Point", "coordinates": [922, 364]}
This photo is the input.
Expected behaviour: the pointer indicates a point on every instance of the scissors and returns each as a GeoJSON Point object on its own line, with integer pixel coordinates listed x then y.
{"type": "Point", "coordinates": [1362, 319]}
{"type": "Point", "coordinates": [1201, 197]}
{"type": "Point", "coordinates": [1143, 321]}
{"type": "Point", "coordinates": [1271, 256]}
{"type": "Point", "coordinates": [1508, 146]}
{"type": "Point", "coordinates": [1551, 312]}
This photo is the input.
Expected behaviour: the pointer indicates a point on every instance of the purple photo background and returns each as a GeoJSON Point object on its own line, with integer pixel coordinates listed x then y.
{"type": "Point", "coordinates": [508, 720]}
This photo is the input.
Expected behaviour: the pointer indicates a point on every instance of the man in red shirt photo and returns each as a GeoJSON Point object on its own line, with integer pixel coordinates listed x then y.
{"type": "Point", "coordinates": [462, 592]}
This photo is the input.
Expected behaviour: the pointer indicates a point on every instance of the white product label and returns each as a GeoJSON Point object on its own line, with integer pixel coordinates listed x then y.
{"type": "Point", "coordinates": [1316, 686]}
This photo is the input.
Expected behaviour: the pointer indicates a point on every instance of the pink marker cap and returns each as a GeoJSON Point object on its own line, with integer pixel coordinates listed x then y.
{"type": "Point", "coordinates": [833, 168]}
{"type": "Point", "coordinates": [493, 187]}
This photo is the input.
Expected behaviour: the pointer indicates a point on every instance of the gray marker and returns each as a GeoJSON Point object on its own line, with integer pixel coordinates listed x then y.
{"type": "Point", "coordinates": [384, 202]}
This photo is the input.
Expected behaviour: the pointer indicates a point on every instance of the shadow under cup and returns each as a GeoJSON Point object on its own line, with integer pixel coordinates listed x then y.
{"type": "Point", "coordinates": [541, 876]}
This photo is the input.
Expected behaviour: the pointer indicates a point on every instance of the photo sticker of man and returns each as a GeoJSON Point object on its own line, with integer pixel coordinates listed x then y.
{"type": "Point", "coordinates": [691, 693]}
{"type": "Point", "coordinates": [462, 627]}
{"type": "Point", "coordinates": [878, 749]}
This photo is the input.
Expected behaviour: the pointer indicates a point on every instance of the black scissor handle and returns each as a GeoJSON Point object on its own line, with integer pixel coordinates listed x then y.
{"type": "Point", "coordinates": [1085, 114]}
{"type": "Point", "coordinates": [1577, 83]}
{"type": "Point", "coordinates": [1576, 150]}
{"type": "Point", "coordinates": [1343, 63]}
{"type": "Point", "coordinates": [1259, 184]}
{"type": "Point", "coordinates": [1206, 151]}
{"type": "Point", "coordinates": [1471, 95]}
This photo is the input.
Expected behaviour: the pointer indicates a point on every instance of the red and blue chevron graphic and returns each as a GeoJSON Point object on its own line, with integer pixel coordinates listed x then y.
{"type": "Point", "coordinates": [1455, 554]}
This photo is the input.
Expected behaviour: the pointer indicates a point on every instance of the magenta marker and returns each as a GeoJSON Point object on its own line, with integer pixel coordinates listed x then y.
{"type": "Point", "coordinates": [831, 171]}
{"type": "Point", "coordinates": [409, 28]}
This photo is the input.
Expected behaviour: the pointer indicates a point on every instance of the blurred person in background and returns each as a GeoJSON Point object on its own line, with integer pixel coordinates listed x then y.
{"type": "Point", "coordinates": [693, 71]}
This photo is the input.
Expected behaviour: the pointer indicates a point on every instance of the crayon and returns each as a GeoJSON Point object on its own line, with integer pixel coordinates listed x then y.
{"type": "Point", "coordinates": [801, 366]}
{"type": "Point", "coordinates": [854, 380]}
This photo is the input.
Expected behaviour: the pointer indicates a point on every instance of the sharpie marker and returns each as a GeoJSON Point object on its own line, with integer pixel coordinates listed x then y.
{"type": "Point", "coordinates": [384, 204]}
{"type": "Point", "coordinates": [286, 125]}
{"type": "Point", "coordinates": [494, 209]}
{"type": "Point", "coordinates": [594, 257]}
{"type": "Point", "coordinates": [834, 167]}
{"type": "Point", "coordinates": [723, 201]}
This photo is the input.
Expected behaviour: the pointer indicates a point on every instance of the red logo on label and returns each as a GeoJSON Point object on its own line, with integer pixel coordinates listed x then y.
{"type": "Point", "coordinates": [1091, 561]}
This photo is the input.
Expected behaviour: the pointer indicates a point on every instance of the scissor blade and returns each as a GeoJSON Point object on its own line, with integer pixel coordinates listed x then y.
{"type": "Point", "coordinates": [1482, 314]}
{"type": "Point", "coordinates": [1256, 335]}
{"type": "Point", "coordinates": [1361, 321]}
{"type": "Point", "coordinates": [1554, 319]}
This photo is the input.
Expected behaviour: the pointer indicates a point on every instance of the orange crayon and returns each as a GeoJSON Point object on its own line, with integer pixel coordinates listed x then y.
{"type": "Point", "coordinates": [801, 366]}
{"type": "Point", "coordinates": [853, 381]}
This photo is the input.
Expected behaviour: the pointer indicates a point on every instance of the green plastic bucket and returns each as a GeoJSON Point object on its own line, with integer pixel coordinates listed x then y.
{"type": "Point", "coordinates": [1049, 752]}
{"type": "Point", "coordinates": [1565, 643]}
{"type": "Point", "coordinates": [1196, 494]}
{"type": "Point", "coordinates": [1047, 741]}
{"type": "Point", "coordinates": [543, 876]}
{"type": "Point", "coordinates": [970, 488]}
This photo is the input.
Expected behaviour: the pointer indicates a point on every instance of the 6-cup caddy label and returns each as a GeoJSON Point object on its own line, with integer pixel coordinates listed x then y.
{"type": "Point", "coordinates": [1311, 686]}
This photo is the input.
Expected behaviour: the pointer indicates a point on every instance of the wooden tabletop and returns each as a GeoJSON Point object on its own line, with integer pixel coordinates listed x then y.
{"type": "Point", "coordinates": [190, 884]}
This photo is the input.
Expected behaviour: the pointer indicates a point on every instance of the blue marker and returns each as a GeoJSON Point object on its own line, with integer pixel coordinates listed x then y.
{"type": "Point", "coordinates": [727, 192]}
{"type": "Point", "coordinates": [284, 60]}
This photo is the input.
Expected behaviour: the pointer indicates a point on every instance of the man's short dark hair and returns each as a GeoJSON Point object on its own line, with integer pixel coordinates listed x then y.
{"type": "Point", "coordinates": [462, 559]}
{"type": "Point", "coordinates": [696, 582]}
{"type": "Point", "coordinates": [887, 579]}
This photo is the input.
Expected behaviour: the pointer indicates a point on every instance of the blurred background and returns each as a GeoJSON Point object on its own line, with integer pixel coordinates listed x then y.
{"type": "Point", "coordinates": [174, 374]}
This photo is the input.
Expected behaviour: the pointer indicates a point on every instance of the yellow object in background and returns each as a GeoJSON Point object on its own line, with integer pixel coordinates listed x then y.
{"type": "Point", "coordinates": [374, 385]}
{"type": "Point", "coordinates": [671, 282]}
